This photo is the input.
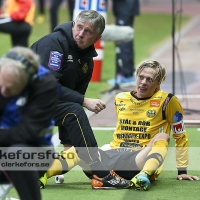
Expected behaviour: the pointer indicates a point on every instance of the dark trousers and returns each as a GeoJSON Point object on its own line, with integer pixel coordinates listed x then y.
{"type": "Point", "coordinates": [19, 31]}
{"type": "Point", "coordinates": [41, 6]}
{"type": "Point", "coordinates": [25, 182]}
{"type": "Point", "coordinates": [125, 50]}
{"type": "Point", "coordinates": [54, 11]}
{"type": "Point", "coordinates": [75, 129]}
{"type": "Point", "coordinates": [25, 179]}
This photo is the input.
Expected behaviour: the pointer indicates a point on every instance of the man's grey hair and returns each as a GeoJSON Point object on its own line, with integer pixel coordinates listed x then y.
{"type": "Point", "coordinates": [18, 67]}
{"type": "Point", "coordinates": [94, 18]}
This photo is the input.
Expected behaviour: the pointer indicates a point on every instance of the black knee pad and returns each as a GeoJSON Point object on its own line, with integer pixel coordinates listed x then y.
{"type": "Point", "coordinates": [156, 156]}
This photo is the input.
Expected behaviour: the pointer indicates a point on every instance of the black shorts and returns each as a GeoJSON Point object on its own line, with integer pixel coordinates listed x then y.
{"type": "Point", "coordinates": [121, 160]}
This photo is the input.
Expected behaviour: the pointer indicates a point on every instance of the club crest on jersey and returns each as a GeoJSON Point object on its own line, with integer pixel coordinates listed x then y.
{"type": "Point", "coordinates": [151, 113]}
{"type": "Point", "coordinates": [178, 127]}
{"type": "Point", "coordinates": [85, 68]}
{"type": "Point", "coordinates": [55, 59]}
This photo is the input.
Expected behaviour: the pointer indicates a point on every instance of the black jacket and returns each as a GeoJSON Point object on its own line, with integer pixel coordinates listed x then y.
{"type": "Point", "coordinates": [71, 66]}
{"type": "Point", "coordinates": [23, 117]}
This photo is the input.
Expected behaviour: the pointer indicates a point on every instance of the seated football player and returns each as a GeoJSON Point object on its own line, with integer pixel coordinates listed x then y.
{"type": "Point", "coordinates": [145, 118]}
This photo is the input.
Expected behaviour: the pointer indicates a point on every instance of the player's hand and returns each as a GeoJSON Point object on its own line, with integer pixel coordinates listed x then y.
{"type": "Point", "coordinates": [94, 105]}
{"type": "Point", "coordinates": [187, 177]}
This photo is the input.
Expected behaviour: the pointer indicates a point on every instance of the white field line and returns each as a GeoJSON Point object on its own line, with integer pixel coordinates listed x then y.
{"type": "Point", "coordinates": [188, 96]}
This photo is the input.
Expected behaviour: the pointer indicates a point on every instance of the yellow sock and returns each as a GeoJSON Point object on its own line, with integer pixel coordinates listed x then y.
{"type": "Point", "coordinates": [156, 157]}
{"type": "Point", "coordinates": [66, 162]}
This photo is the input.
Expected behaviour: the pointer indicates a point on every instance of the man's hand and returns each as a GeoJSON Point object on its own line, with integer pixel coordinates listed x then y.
{"type": "Point", "coordinates": [187, 177]}
{"type": "Point", "coordinates": [94, 105]}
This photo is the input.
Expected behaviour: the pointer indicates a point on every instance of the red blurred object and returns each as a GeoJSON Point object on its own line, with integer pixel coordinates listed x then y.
{"type": "Point", "coordinates": [96, 75]}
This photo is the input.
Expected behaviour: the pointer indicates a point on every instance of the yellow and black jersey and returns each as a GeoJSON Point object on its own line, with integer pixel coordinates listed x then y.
{"type": "Point", "coordinates": [139, 120]}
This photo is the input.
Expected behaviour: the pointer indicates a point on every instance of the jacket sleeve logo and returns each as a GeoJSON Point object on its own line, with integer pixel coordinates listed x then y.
{"type": "Point", "coordinates": [55, 60]}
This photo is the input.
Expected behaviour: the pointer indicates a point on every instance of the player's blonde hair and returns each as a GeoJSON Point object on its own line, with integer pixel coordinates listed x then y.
{"type": "Point", "coordinates": [159, 68]}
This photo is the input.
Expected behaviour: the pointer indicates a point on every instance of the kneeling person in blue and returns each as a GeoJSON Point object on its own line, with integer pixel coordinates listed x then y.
{"type": "Point", "coordinates": [28, 99]}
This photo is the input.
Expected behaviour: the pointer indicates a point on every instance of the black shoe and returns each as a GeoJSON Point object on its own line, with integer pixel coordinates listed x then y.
{"type": "Point", "coordinates": [111, 181]}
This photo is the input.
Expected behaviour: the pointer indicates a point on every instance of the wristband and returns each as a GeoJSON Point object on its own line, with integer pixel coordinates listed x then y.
{"type": "Point", "coordinates": [182, 171]}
